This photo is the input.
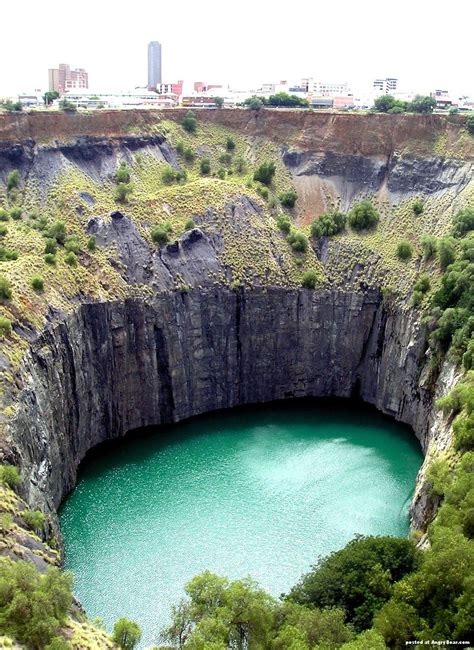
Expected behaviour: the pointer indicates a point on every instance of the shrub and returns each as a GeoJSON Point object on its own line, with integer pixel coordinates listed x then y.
{"type": "Point", "coordinates": [5, 288]}
{"type": "Point", "coordinates": [423, 283]}
{"type": "Point", "coordinates": [429, 245]}
{"type": "Point", "coordinates": [50, 246]}
{"type": "Point", "coordinates": [254, 103]}
{"type": "Point", "coordinates": [71, 259]}
{"type": "Point", "coordinates": [122, 192]}
{"type": "Point", "coordinates": [9, 475]}
{"type": "Point", "coordinates": [417, 298]}
{"type": "Point", "coordinates": [309, 279]}
{"type": "Point", "coordinates": [263, 191]}
{"type": "Point", "coordinates": [126, 634]}
{"type": "Point", "coordinates": [265, 173]}
{"type": "Point", "coordinates": [189, 155]}
{"type": "Point", "coordinates": [189, 225]}
{"type": "Point", "coordinates": [66, 105]}
{"type": "Point", "coordinates": [50, 258]}
{"type": "Point", "coordinates": [189, 123]}
{"type": "Point", "coordinates": [288, 199]}
{"type": "Point", "coordinates": [33, 518]}
{"type": "Point", "coordinates": [123, 173]}
{"type": "Point", "coordinates": [181, 176]}
{"type": "Point", "coordinates": [4, 216]}
{"type": "Point", "coordinates": [13, 179]}
{"type": "Point", "coordinates": [15, 214]}
{"type": "Point", "coordinates": [298, 242]}
{"type": "Point", "coordinates": [5, 326]}
{"type": "Point", "coordinates": [180, 147]}
{"type": "Point", "coordinates": [6, 521]}
{"type": "Point", "coordinates": [422, 104]}
{"type": "Point", "coordinates": [58, 643]}
{"type": "Point", "coordinates": [417, 206]}
{"type": "Point", "coordinates": [446, 252]}
{"type": "Point", "coordinates": [221, 173]}
{"type": "Point", "coordinates": [404, 250]}
{"type": "Point", "coordinates": [205, 166]}
{"type": "Point", "coordinates": [72, 244]}
{"type": "Point", "coordinates": [240, 165]}
{"type": "Point", "coordinates": [37, 283]}
{"type": "Point", "coordinates": [230, 144]}
{"type": "Point", "coordinates": [284, 224]}
{"type": "Point", "coordinates": [3, 230]}
{"type": "Point", "coordinates": [225, 159]}
{"type": "Point", "coordinates": [91, 243]}
{"type": "Point", "coordinates": [328, 224]}
{"type": "Point", "coordinates": [160, 233]}
{"type": "Point", "coordinates": [58, 232]}
{"type": "Point", "coordinates": [363, 215]}
{"type": "Point", "coordinates": [463, 222]}
{"type": "Point", "coordinates": [470, 124]}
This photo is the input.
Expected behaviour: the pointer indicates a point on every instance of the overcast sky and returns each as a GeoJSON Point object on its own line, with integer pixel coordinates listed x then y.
{"type": "Point", "coordinates": [425, 44]}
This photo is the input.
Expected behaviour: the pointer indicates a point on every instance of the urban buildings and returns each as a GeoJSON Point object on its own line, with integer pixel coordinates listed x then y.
{"type": "Point", "coordinates": [385, 86]}
{"type": "Point", "coordinates": [154, 65]}
{"type": "Point", "coordinates": [63, 78]}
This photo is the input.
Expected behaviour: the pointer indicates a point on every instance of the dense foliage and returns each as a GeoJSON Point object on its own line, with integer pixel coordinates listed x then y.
{"type": "Point", "coordinates": [389, 104]}
{"type": "Point", "coordinates": [328, 224]}
{"type": "Point", "coordinates": [265, 173]}
{"type": "Point", "coordinates": [363, 215]}
{"type": "Point", "coordinates": [278, 100]}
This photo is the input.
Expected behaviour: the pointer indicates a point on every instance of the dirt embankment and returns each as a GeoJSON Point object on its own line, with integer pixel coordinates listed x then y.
{"type": "Point", "coordinates": [364, 134]}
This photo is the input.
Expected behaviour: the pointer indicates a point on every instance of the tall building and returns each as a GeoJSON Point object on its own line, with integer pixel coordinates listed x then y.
{"type": "Point", "coordinates": [154, 65]}
{"type": "Point", "coordinates": [63, 78]}
{"type": "Point", "coordinates": [385, 86]}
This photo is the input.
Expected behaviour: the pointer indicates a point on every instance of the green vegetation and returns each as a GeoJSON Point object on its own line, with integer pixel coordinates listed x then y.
{"type": "Point", "coordinates": [13, 180]}
{"type": "Point", "coordinates": [160, 233]}
{"type": "Point", "coordinates": [189, 123]}
{"type": "Point", "coordinates": [310, 280]}
{"type": "Point", "coordinates": [205, 166]}
{"type": "Point", "coordinates": [5, 326]}
{"type": "Point", "coordinates": [363, 216]}
{"type": "Point", "coordinates": [284, 224]}
{"type": "Point", "coordinates": [429, 245]}
{"type": "Point", "coordinates": [404, 250]}
{"type": "Point", "coordinates": [230, 144]}
{"type": "Point", "coordinates": [57, 232]}
{"type": "Point", "coordinates": [288, 199]}
{"type": "Point", "coordinates": [50, 96]}
{"type": "Point", "coordinates": [417, 206]}
{"type": "Point", "coordinates": [254, 103]}
{"type": "Point", "coordinates": [33, 518]}
{"type": "Point", "coordinates": [15, 214]}
{"type": "Point", "coordinates": [91, 243]}
{"type": "Point", "coordinates": [5, 288]}
{"type": "Point", "coordinates": [265, 173]}
{"type": "Point", "coordinates": [123, 173]}
{"type": "Point", "coordinates": [328, 224]}
{"type": "Point", "coordinates": [71, 259]}
{"type": "Point", "coordinates": [298, 241]}
{"type": "Point", "coordinates": [463, 222]}
{"type": "Point", "coordinates": [50, 258]}
{"type": "Point", "coordinates": [278, 100]}
{"type": "Point", "coordinates": [446, 252]}
{"type": "Point", "coordinates": [470, 124]}
{"type": "Point", "coordinates": [126, 634]}
{"type": "Point", "coordinates": [122, 192]}
{"type": "Point", "coordinates": [420, 104]}
{"type": "Point", "coordinates": [67, 106]}
{"type": "Point", "coordinates": [33, 607]}
{"type": "Point", "coordinates": [37, 283]}
{"type": "Point", "coordinates": [9, 475]}
{"type": "Point", "coordinates": [189, 225]}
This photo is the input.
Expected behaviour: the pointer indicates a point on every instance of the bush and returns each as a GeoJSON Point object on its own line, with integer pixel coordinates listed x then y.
{"type": "Point", "coordinates": [265, 173]}
{"type": "Point", "coordinates": [189, 155]}
{"type": "Point", "coordinates": [34, 606]}
{"type": "Point", "coordinates": [328, 224]}
{"type": "Point", "coordinates": [284, 224]}
{"type": "Point", "coordinates": [189, 123]}
{"type": "Point", "coordinates": [463, 222]}
{"type": "Point", "coordinates": [126, 634]}
{"type": "Point", "coordinates": [37, 283]}
{"type": "Point", "coordinates": [58, 232]}
{"type": "Point", "coordinates": [230, 144]}
{"type": "Point", "coordinates": [13, 179]}
{"type": "Point", "coordinates": [58, 643]}
{"type": "Point", "coordinates": [446, 252]}
{"type": "Point", "coordinates": [470, 124]}
{"type": "Point", "coordinates": [221, 173]}
{"type": "Point", "coordinates": [417, 298]}
{"type": "Point", "coordinates": [50, 258]}
{"type": "Point", "coordinates": [422, 104]}
{"type": "Point", "coordinates": [5, 288]}
{"type": "Point", "coordinates": [122, 192]}
{"type": "Point", "coordinates": [189, 225]}
{"type": "Point", "coordinates": [254, 103]}
{"type": "Point", "coordinates": [358, 578]}
{"type": "Point", "coordinates": [9, 475]}
{"type": "Point", "coordinates": [180, 147]}
{"type": "Point", "coordinates": [160, 233]}
{"type": "Point", "coordinates": [309, 279]}
{"type": "Point", "coordinates": [5, 326]}
{"type": "Point", "coordinates": [429, 245]}
{"type": "Point", "coordinates": [123, 173]}
{"type": "Point", "coordinates": [423, 283]}
{"type": "Point", "coordinates": [91, 243]}
{"type": "Point", "coordinates": [404, 250]}
{"type": "Point", "coordinates": [288, 199]}
{"type": "Point", "coordinates": [71, 259]}
{"type": "Point", "coordinates": [263, 191]}
{"type": "Point", "coordinates": [66, 105]}
{"type": "Point", "coordinates": [298, 242]}
{"type": "Point", "coordinates": [240, 165]}
{"type": "Point", "coordinates": [72, 244]}
{"type": "Point", "coordinates": [50, 246]}
{"type": "Point", "coordinates": [225, 159]}
{"type": "Point", "coordinates": [3, 230]}
{"type": "Point", "coordinates": [363, 215]}
{"type": "Point", "coordinates": [33, 518]}
{"type": "Point", "coordinates": [417, 206]}
{"type": "Point", "coordinates": [205, 166]}
{"type": "Point", "coordinates": [4, 216]}
{"type": "Point", "coordinates": [15, 214]}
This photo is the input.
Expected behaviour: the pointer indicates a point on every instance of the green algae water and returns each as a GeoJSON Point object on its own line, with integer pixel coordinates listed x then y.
{"type": "Point", "coordinates": [257, 491]}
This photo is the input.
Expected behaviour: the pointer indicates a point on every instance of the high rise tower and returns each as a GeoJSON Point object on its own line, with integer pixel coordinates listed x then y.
{"type": "Point", "coordinates": [154, 65]}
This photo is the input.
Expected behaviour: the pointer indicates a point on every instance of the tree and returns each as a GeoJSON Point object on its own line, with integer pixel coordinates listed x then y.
{"type": "Point", "coordinates": [13, 179]}
{"type": "Point", "coordinates": [219, 101]}
{"type": "Point", "coordinates": [122, 192]}
{"type": "Point", "coordinates": [446, 252]}
{"type": "Point", "coordinates": [429, 244]}
{"type": "Point", "coordinates": [298, 242]}
{"type": "Point", "coordinates": [189, 123]}
{"type": "Point", "coordinates": [126, 634]}
{"type": "Point", "coordinates": [470, 124]}
{"type": "Point", "coordinates": [363, 215]}
{"type": "Point", "coordinates": [463, 222]}
{"type": "Point", "coordinates": [384, 103]}
{"type": "Point", "coordinates": [57, 231]}
{"type": "Point", "coordinates": [230, 144]}
{"type": "Point", "coordinates": [265, 173]}
{"type": "Point", "coordinates": [50, 96]}
{"type": "Point", "coordinates": [160, 233]}
{"type": "Point", "coordinates": [66, 105]}
{"type": "Point", "coordinates": [422, 104]}
{"type": "Point", "coordinates": [123, 173]}
{"type": "Point", "coordinates": [254, 103]}
{"type": "Point", "coordinates": [284, 99]}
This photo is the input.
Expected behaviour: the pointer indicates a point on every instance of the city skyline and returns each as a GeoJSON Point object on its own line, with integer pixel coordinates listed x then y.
{"type": "Point", "coordinates": [340, 44]}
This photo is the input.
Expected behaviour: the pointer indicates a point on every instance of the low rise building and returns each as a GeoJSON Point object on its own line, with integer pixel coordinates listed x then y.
{"type": "Point", "coordinates": [63, 78]}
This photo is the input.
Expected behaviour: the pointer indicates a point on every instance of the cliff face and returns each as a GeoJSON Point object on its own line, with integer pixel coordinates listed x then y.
{"type": "Point", "coordinates": [113, 367]}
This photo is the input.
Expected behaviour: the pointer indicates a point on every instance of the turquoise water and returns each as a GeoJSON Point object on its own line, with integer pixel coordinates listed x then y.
{"type": "Point", "coordinates": [260, 491]}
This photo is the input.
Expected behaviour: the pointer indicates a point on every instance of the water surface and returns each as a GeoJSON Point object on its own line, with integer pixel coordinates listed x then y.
{"type": "Point", "coordinates": [258, 491]}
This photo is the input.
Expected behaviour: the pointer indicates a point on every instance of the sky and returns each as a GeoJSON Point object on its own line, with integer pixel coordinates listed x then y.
{"type": "Point", "coordinates": [244, 42]}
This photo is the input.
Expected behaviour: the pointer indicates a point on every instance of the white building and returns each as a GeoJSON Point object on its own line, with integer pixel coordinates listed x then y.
{"type": "Point", "coordinates": [132, 99]}
{"type": "Point", "coordinates": [326, 88]}
{"type": "Point", "coordinates": [385, 86]}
